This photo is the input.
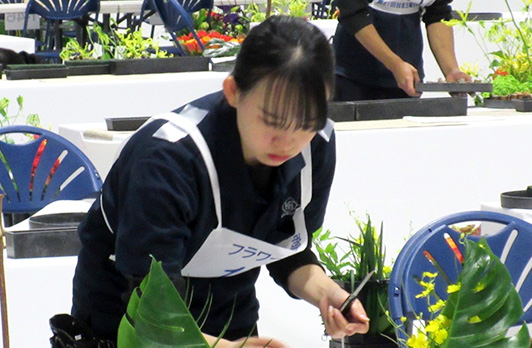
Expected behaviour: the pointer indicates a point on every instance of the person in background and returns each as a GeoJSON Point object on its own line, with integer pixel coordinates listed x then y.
{"type": "Point", "coordinates": [379, 47]}
{"type": "Point", "coordinates": [220, 187]}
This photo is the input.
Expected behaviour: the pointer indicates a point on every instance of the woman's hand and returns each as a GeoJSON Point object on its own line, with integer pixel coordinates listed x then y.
{"type": "Point", "coordinates": [338, 326]}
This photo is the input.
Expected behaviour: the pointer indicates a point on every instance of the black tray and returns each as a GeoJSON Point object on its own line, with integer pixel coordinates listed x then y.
{"type": "Point", "coordinates": [450, 87]}
{"type": "Point", "coordinates": [386, 109]}
{"type": "Point", "coordinates": [88, 67]}
{"type": "Point", "coordinates": [159, 65]}
{"type": "Point", "coordinates": [517, 199]}
{"type": "Point", "coordinates": [523, 105]}
{"type": "Point", "coordinates": [125, 123]}
{"type": "Point", "coordinates": [35, 71]}
{"type": "Point", "coordinates": [499, 103]}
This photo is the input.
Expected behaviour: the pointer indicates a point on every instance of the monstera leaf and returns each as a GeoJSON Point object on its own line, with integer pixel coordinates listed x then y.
{"type": "Point", "coordinates": [157, 317]}
{"type": "Point", "coordinates": [486, 305]}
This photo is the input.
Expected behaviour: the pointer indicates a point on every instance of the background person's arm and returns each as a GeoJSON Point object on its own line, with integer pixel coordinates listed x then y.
{"type": "Point", "coordinates": [441, 41]}
{"type": "Point", "coordinates": [354, 17]}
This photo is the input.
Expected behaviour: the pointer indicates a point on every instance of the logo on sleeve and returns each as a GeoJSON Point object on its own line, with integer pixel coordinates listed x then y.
{"type": "Point", "coordinates": [289, 207]}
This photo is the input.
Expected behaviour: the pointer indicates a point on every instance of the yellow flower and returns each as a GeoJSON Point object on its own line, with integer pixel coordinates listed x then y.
{"type": "Point", "coordinates": [453, 288]}
{"type": "Point", "coordinates": [429, 288]}
{"type": "Point", "coordinates": [440, 336]}
{"type": "Point", "coordinates": [403, 319]}
{"type": "Point", "coordinates": [429, 275]}
{"type": "Point", "coordinates": [437, 306]}
{"type": "Point", "coordinates": [417, 341]}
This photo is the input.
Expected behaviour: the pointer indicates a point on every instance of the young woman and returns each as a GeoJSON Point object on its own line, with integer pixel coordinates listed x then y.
{"type": "Point", "coordinates": [228, 183]}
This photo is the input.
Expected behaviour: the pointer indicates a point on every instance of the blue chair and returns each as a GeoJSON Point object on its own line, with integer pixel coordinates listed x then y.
{"type": "Point", "coordinates": [56, 11]}
{"type": "Point", "coordinates": [176, 16]}
{"type": "Point", "coordinates": [321, 10]}
{"type": "Point", "coordinates": [41, 170]}
{"type": "Point", "coordinates": [432, 249]}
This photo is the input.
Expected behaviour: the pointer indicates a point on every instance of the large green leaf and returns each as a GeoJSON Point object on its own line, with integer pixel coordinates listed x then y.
{"type": "Point", "coordinates": [486, 305]}
{"type": "Point", "coordinates": [157, 317]}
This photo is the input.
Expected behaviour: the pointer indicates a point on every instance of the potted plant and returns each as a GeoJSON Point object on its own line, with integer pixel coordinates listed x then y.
{"type": "Point", "coordinates": [348, 260]}
{"type": "Point", "coordinates": [123, 53]}
{"type": "Point", "coordinates": [506, 45]}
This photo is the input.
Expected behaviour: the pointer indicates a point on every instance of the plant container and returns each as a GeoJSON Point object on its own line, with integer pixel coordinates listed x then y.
{"type": "Point", "coordinates": [125, 123]}
{"type": "Point", "coordinates": [35, 71]}
{"type": "Point", "coordinates": [387, 109]}
{"type": "Point", "coordinates": [88, 67]}
{"type": "Point", "coordinates": [158, 65]}
{"type": "Point", "coordinates": [499, 103]}
{"type": "Point", "coordinates": [517, 199]}
{"type": "Point", "coordinates": [47, 236]}
{"type": "Point", "coordinates": [523, 105]}
{"type": "Point", "coordinates": [368, 294]}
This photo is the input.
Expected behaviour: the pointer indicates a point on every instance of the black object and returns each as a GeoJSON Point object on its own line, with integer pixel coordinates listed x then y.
{"type": "Point", "coordinates": [35, 71]}
{"type": "Point", "coordinates": [69, 332]}
{"type": "Point", "coordinates": [125, 123]}
{"type": "Point", "coordinates": [159, 65]}
{"type": "Point", "coordinates": [458, 87]}
{"type": "Point", "coordinates": [523, 105]}
{"type": "Point", "coordinates": [49, 235]}
{"type": "Point", "coordinates": [64, 220]}
{"type": "Point", "coordinates": [499, 103]}
{"type": "Point", "coordinates": [517, 199]}
{"type": "Point", "coordinates": [387, 109]}
{"type": "Point", "coordinates": [88, 67]}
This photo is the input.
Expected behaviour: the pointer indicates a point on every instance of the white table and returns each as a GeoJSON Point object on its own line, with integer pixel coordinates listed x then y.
{"type": "Point", "coordinates": [17, 44]}
{"type": "Point", "coordinates": [94, 98]}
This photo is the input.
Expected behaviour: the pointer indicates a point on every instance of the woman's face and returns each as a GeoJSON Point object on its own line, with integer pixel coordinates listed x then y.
{"type": "Point", "coordinates": [262, 142]}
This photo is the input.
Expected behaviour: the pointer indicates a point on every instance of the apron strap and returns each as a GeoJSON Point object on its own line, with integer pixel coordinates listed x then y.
{"type": "Point", "coordinates": [306, 178]}
{"type": "Point", "coordinates": [190, 128]}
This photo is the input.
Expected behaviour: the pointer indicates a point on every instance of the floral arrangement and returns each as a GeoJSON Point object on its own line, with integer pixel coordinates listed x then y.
{"type": "Point", "coordinates": [216, 44]}
{"type": "Point", "coordinates": [479, 310]}
{"type": "Point", "coordinates": [349, 260]}
{"type": "Point", "coordinates": [510, 60]}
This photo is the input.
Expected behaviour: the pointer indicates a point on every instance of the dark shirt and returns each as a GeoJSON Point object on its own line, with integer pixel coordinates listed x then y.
{"type": "Point", "coordinates": [400, 31]}
{"type": "Point", "coordinates": [158, 200]}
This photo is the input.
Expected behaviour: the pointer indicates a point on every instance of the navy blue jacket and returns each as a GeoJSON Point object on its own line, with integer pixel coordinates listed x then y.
{"type": "Point", "coordinates": [401, 32]}
{"type": "Point", "coordinates": [158, 200]}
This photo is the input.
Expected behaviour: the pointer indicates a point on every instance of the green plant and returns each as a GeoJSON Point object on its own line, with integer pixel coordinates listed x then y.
{"type": "Point", "coordinates": [116, 45]}
{"type": "Point", "coordinates": [294, 8]}
{"type": "Point", "coordinates": [349, 260]}
{"type": "Point", "coordinates": [6, 119]}
{"type": "Point", "coordinates": [512, 42]}
{"type": "Point", "coordinates": [481, 306]}
{"type": "Point", "coordinates": [157, 316]}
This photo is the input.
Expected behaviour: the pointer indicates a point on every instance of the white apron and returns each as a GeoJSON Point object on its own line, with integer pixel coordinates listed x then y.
{"type": "Point", "coordinates": [401, 7]}
{"type": "Point", "coordinates": [226, 252]}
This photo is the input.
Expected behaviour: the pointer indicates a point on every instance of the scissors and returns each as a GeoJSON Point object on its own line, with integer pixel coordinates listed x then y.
{"type": "Point", "coordinates": [346, 306]}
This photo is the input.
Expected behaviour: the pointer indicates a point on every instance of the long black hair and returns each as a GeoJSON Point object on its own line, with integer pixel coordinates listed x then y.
{"type": "Point", "coordinates": [296, 61]}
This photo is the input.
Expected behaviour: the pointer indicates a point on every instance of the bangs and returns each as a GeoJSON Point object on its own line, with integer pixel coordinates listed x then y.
{"type": "Point", "coordinates": [293, 99]}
